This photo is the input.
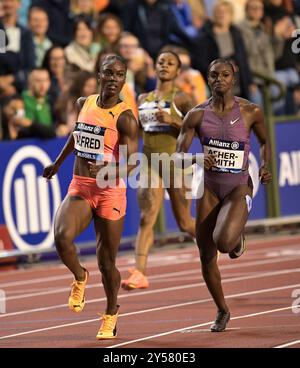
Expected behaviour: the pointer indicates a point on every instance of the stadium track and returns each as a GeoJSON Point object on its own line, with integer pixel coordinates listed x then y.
{"type": "Point", "coordinates": [261, 289]}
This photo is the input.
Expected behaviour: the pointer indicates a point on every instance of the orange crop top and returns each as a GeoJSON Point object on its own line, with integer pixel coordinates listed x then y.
{"type": "Point", "coordinates": [96, 135]}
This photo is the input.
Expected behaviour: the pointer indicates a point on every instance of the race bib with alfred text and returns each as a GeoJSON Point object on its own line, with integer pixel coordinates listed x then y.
{"type": "Point", "coordinates": [89, 141]}
{"type": "Point", "coordinates": [229, 155]}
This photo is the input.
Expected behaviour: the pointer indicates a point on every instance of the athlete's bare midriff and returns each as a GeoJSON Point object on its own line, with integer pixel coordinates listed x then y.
{"type": "Point", "coordinates": [81, 167]}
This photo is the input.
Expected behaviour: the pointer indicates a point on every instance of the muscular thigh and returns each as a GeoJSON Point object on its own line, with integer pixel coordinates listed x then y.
{"type": "Point", "coordinates": [73, 216]}
{"type": "Point", "coordinates": [207, 213]}
{"type": "Point", "coordinates": [108, 235]}
{"type": "Point", "coordinates": [150, 199]}
{"type": "Point", "coordinates": [234, 213]}
{"type": "Point", "coordinates": [180, 204]}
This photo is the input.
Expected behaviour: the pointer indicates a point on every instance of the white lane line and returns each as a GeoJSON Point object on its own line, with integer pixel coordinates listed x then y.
{"type": "Point", "coordinates": [182, 258]}
{"type": "Point", "coordinates": [123, 260]}
{"type": "Point", "coordinates": [143, 311]}
{"type": "Point", "coordinates": [195, 326]}
{"type": "Point", "coordinates": [291, 343]}
{"type": "Point", "coordinates": [42, 280]}
{"type": "Point", "coordinates": [251, 242]}
{"type": "Point", "coordinates": [155, 277]}
{"type": "Point", "coordinates": [174, 288]}
{"type": "Point", "coordinates": [208, 330]}
{"type": "Point", "coordinates": [92, 273]}
{"type": "Point", "coordinates": [192, 259]}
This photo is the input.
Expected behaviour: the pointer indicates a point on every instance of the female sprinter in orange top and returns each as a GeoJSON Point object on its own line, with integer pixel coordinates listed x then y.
{"type": "Point", "coordinates": [104, 123]}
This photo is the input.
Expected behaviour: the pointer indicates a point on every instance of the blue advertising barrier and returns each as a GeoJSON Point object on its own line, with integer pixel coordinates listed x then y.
{"type": "Point", "coordinates": [288, 163]}
{"type": "Point", "coordinates": [28, 203]}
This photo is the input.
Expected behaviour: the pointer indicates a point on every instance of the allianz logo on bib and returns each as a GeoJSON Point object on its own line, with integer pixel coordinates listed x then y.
{"type": "Point", "coordinates": [224, 144]}
{"type": "Point", "coordinates": [29, 202]}
{"type": "Point", "coordinates": [235, 145]}
{"type": "Point", "coordinates": [218, 143]}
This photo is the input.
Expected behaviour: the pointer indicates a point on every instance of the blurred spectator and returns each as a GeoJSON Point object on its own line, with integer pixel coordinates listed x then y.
{"type": "Point", "coordinates": [140, 73]}
{"type": "Point", "coordinates": [290, 5]}
{"type": "Point", "coordinates": [296, 4]}
{"type": "Point", "coordinates": [274, 10]}
{"type": "Point", "coordinates": [82, 51]}
{"type": "Point", "coordinates": [285, 62]}
{"type": "Point", "coordinates": [23, 12]}
{"type": "Point", "coordinates": [117, 7]}
{"type": "Point", "coordinates": [19, 57]}
{"type": "Point", "coordinates": [209, 5]}
{"type": "Point", "coordinates": [190, 80]}
{"type": "Point", "coordinates": [55, 63]}
{"type": "Point", "coordinates": [1, 10]}
{"type": "Point", "coordinates": [182, 18]}
{"type": "Point", "coordinates": [280, 25]}
{"type": "Point", "coordinates": [83, 85]}
{"type": "Point", "coordinates": [257, 41]}
{"type": "Point", "coordinates": [12, 110]}
{"type": "Point", "coordinates": [237, 5]}
{"type": "Point", "coordinates": [101, 5]}
{"type": "Point", "coordinates": [38, 113]}
{"type": "Point", "coordinates": [150, 21]}
{"type": "Point", "coordinates": [84, 8]}
{"type": "Point", "coordinates": [38, 23]}
{"type": "Point", "coordinates": [238, 10]}
{"type": "Point", "coordinates": [258, 45]}
{"type": "Point", "coordinates": [296, 97]}
{"type": "Point", "coordinates": [108, 31]}
{"type": "Point", "coordinates": [7, 87]}
{"type": "Point", "coordinates": [30, 116]}
{"type": "Point", "coordinates": [277, 9]}
{"type": "Point", "coordinates": [60, 20]}
{"type": "Point", "coordinates": [198, 12]}
{"type": "Point", "coordinates": [220, 38]}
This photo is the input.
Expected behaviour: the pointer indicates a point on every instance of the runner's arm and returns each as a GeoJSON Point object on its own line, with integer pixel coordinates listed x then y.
{"type": "Point", "coordinates": [185, 138]}
{"type": "Point", "coordinates": [129, 131]}
{"type": "Point", "coordinates": [184, 103]}
{"type": "Point", "coordinates": [52, 169]}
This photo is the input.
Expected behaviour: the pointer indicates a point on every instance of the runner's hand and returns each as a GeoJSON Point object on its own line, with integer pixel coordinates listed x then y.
{"type": "Point", "coordinates": [264, 175]}
{"type": "Point", "coordinates": [209, 161]}
{"type": "Point", "coordinates": [50, 170]}
{"type": "Point", "coordinates": [163, 117]}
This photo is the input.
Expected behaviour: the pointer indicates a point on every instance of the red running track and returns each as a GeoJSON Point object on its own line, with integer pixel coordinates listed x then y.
{"type": "Point", "coordinates": [261, 288]}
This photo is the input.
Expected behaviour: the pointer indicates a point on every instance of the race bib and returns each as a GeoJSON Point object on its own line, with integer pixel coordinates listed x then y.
{"type": "Point", "coordinates": [229, 155]}
{"type": "Point", "coordinates": [89, 141]}
{"type": "Point", "coordinates": [147, 116]}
